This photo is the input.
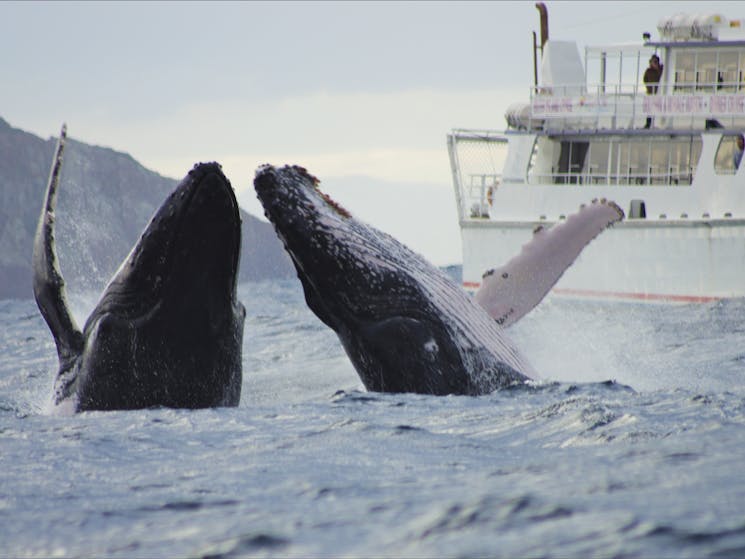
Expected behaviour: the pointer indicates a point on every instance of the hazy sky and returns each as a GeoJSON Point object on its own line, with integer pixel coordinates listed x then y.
{"type": "Point", "coordinates": [362, 94]}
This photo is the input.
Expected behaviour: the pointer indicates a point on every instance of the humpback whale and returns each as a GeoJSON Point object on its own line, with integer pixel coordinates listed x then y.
{"type": "Point", "coordinates": [404, 324]}
{"type": "Point", "coordinates": [168, 328]}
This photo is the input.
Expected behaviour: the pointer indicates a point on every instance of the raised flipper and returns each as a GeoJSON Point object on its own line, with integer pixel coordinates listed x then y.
{"type": "Point", "coordinates": [49, 286]}
{"type": "Point", "coordinates": [510, 292]}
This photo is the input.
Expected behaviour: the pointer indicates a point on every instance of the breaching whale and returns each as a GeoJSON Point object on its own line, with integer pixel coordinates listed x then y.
{"type": "Point", "coordinates": [168, 328]}
{"type": "Point", "coordinates": [405, 325]}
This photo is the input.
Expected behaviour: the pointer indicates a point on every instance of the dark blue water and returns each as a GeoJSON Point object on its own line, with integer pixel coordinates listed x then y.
{"type": "Point", "coordinates": [633, 445]}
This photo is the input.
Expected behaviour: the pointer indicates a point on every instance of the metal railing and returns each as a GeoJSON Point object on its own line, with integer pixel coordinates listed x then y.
{"type": "Point", "coordinates": [481, 189]}
{"type": "Point", "coordinates": [632, 177]}
{"type": "Point", "coordinates": [625, 105]}
{"type": "Point", "coordinates": [471, 153]}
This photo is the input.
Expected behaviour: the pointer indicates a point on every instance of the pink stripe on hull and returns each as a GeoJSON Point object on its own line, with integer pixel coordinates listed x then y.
{"type": "Point", "coordinates": [622, 295]}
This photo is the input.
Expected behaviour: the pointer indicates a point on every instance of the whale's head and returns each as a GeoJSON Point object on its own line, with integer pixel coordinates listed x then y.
{"type": "Point", "coordinates": [188, 255]}
{"type": "Point", "coordinates": [405, 326]}
{"type": "Point", "coordinates": [343, 264]}
{"type": "Point", "coordinates": [170, 314]}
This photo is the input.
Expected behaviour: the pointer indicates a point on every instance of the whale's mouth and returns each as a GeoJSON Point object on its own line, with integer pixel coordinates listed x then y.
{"type": "Point", "coordinates": [308, 221]}
{"type": "Point", "coordinates": [292, 197]}
{"type": "Point", "coordinates": [190, 250]}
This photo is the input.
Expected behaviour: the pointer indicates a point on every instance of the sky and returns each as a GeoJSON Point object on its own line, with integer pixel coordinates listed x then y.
{"type": "Point", "coordinates": [362, 94]}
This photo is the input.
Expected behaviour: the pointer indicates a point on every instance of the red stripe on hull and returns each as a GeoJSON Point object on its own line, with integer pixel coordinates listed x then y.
{"type": "Point", "coordinates": [621, 295]}
{"type": "Point", "coordinates": [638, 296]}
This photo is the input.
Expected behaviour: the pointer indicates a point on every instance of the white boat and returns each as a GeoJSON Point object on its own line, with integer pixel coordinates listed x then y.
{"type": "Point", "coordinates": [582, 135]}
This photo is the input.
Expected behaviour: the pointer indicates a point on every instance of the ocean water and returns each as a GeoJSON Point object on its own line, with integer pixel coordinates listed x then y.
{"type": "Point", "coordinates": [632, 445]}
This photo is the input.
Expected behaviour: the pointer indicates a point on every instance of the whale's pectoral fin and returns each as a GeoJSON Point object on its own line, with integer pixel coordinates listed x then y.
{"type": "Point", "coordinates": [510, 292]}
{"type": "Point", "coordinates": [49, 286]}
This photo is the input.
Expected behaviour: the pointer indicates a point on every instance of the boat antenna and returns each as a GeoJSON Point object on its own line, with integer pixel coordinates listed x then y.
{"type": "Point", "coordinates": [535, 61]}
{"type": "Point", "coordinates": [541, 7]}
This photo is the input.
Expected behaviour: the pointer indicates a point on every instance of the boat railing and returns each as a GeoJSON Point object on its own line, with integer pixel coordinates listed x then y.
{"type": "Point", "coordinates": [628, 105]}
{"type": "Point", "coordinates": [598, 105]}
{"type": "Point", "coordinates": [481, 188]}
{"type": "Point", "coordinates": [475, 157]}
{"type": "Point", "coordinates": [686, 84]}
{"type": "Point", "coordinates": [630, 176]}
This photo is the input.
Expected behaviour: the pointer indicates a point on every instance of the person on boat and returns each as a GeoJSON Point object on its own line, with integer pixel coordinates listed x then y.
{"type": "Point", "coordinates": [652, 77]}
{"type": "Point", "coordinates": [739, 148]}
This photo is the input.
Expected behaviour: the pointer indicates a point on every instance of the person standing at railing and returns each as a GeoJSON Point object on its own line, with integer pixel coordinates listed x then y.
{"type": "Point", "coordinates": [652, 77]}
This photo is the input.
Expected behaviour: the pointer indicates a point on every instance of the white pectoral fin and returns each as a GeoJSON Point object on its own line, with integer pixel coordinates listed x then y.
{"type": "Point", "coordinates": [510, 292]}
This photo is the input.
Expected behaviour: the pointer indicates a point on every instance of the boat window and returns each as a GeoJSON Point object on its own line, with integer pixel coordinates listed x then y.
{"type": "Point", "coordinates": [724, 161]}
{"type": "Point", "coordinates": [597, 160]}
{"type": "Point", "coordinates": [728, 71]}
{"type": "Point", "coordinates": [653, 161]}
{"type": "Point", "coordinates": [684, 156]}
{"type": "Point", "coordinates": [638, 162]}
{"type": "Point", "coordinates": [621, 160]}
{"type": "Point", "coordinates": [659, 162]}
{"type": "Point", "coordinates": [685, 71]}
{"type": "Point", "coordinates": [709, 70]}
{"type": "Point", "coordinates": [571, 161]}
{"type": "Point", "coordinates": [706, 71]}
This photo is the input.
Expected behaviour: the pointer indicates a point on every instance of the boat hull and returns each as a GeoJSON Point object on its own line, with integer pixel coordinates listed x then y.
{"type": "Point", "coordinates": [683, 261]}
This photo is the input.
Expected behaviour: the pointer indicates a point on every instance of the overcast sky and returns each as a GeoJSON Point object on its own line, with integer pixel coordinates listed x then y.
{"type": "Point", "coordinates": [362, 94]}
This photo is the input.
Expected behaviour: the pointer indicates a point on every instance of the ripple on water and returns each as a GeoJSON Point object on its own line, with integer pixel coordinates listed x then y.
{"type": "Point", "coordinates": [569, 467]}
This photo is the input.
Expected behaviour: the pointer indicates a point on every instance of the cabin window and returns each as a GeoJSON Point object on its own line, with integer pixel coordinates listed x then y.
{"type": "Point", "coordinates": [724, 161]}
{"type": "Point", "coordinates": [659, 161]}
{"type": "Point", "coordinates": [571, 161]}
{"type": "Point", "coordinates": [597, 161]}
{"type": "Point", "coordinates": [706, 71]}
{"type": "Point", "coordinates": [709, 70]}
{"type": "Point", "coordinates": [685, 72]}
{"type": "Point", "coordinates": [729, 71]}
{"type": "Point", "coordinates": [624, 161]}
{"type": "Point", "coordinates": [638, 162]}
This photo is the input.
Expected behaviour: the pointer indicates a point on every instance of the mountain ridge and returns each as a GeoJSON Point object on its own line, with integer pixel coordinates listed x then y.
{"type": "Point", "coordinates": [106, 198]}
